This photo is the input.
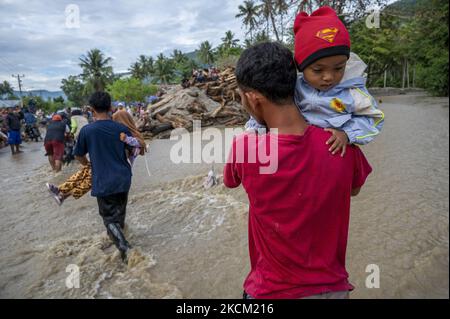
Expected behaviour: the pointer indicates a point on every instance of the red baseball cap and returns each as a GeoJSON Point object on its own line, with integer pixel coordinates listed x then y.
{"type": "Point", "coordinates": [319, 35]}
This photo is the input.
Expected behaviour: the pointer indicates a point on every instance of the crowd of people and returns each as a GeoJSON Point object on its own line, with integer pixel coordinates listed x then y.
{"type": "Point", "coordinates": [201, 76]}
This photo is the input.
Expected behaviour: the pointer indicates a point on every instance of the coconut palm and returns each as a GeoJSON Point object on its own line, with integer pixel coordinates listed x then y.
{"type": "Point", "coordinates": [97, 73]}
{"type": "Point", "coordinates": [137, 71]}
{"type": "Point", "coordinates": [164, 70]}
{"type": "Point", "coordinates": [179, 57]}
{"type": "Point", "coordinates": [268, 13]}
{"type": "Point", "coordinates": [229, 41]}
{"type": "Point", "coordinates": [206, 54]}
{"type": "Point", "coordinates": [249, 13]}
{"type": "Point", "coordinates": [142, 68]}
{"type": "Point", "coordinates": [281, 8]}
{"type": "Point", "coordinates": [147, 64]}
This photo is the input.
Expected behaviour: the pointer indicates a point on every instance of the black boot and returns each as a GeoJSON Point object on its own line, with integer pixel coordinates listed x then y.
{"type": "Point", "coordinates": [119, 240]}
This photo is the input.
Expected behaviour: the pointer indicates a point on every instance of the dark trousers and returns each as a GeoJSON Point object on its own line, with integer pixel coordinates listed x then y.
{"type": "Point", "coordinates": [113, 209]}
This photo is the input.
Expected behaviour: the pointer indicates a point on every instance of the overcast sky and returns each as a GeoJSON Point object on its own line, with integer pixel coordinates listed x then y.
{"type": "Point", "coordinates": [42, 41]}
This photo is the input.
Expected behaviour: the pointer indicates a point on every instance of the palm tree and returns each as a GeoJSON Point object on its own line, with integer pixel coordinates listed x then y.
{"type": "Point", "coordinates": [249, 13]}
{"type": "Point", "coordinates": [137, 71]}
{"type": "Point", "coordinates": [142, 68]}
{"type": "Point", "coordinates": [179, 57]}
{"type": "Point", "coordinates": [97, 73]}
{"type": "Point", "coordinates": [6, 88]}
{"type": "Point", "coordinates": [281, 8]}
{"type": "Point", "coordinates": [146, 65]}
{"type": "Point", "coordinates": [206, 54]}
{"type": "Point", "coordinates": [268, 13]}
{"type": "Point", "coordinates": [164, 70]}
{"type": "Point", "coordinates": [229, 41]}
{"type": "Point", "coordinates": [261, 37]}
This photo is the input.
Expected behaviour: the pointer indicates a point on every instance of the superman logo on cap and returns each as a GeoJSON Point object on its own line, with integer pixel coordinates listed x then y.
{"type": "Point", "coordinates": [328, 34]}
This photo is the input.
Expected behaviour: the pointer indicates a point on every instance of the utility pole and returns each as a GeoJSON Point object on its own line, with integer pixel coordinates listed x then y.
{"type": "Point", "coordinates": [19, 80]}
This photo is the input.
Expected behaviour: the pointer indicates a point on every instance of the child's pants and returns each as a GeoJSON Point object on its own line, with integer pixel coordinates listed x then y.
{"type": "Point", "coordinates": [78, 184]}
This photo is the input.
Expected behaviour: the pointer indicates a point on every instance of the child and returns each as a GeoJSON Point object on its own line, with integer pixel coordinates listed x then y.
{"type": "Point", "coordinates": [331, 92]}
{"type": "Point", "coordinates": [299, 213]}
{"type": "Point", "coordinates": [81, 182]}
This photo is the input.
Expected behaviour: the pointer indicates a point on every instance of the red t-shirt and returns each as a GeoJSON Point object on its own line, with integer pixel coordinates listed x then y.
{"type": "Point", "coordinates": [299, 215]}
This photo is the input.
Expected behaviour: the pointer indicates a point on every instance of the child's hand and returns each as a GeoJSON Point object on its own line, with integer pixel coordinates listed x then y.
{"type": "Point", "coordinates": [123, 137]}
{"type": "Point", "coordinates": [338, 141]}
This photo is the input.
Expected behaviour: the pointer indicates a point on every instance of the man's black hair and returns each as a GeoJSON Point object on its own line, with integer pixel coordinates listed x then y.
{"type": "Point", "coordinates": [100, 102]}
{"type": "Point", "coordinates": [270, 69]}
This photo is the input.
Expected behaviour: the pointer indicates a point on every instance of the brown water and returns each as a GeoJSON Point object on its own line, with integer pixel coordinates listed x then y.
{"type": "Point", "coordinates": [192, 243]}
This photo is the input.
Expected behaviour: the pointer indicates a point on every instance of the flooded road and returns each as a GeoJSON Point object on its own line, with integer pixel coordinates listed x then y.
{"type": "Point", "coordinates": [192, 243]}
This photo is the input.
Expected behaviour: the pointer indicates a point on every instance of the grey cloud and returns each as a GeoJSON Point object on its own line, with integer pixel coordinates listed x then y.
{"type": "Point", "coordinates": [33, 34]}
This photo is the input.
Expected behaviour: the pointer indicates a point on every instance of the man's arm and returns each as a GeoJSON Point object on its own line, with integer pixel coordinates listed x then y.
{"type": "Point", "coordinates": [356, 191]}
{"type": "Point", "coordinates": [81, 149]}
{"type": "Point", "coordinates": [231, 177]}
{"type": "Point", "coordinates": [82, 159]}
{"type": "Point", "coordinates": [362, 170]}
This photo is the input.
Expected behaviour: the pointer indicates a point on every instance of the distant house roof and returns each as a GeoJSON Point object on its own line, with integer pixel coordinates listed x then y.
{"type": "Point", "coordinates": [8, 103]}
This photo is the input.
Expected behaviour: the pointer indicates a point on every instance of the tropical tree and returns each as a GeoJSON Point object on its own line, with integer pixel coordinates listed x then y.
{"type": "Point", "coordinates": [260, 37]}
{"type": "Point", "coordinates": [430, 50]}
{"type": "Point", "coordinates": [206, 54]}
{"type": "Point", "coordinates": [142, 68]}
{"type": "Point", "coordinates": [265, 13]}
{"type": "Point", "coordinates": [229, 41]}
{"type": "Point", "coordinates": [178, 57]}
{"type": "Point", "coordinates": [97, 72]}
{"type": "Point", "coordinates": [48, 106]}
{"type": "Point", "coordinates": [249, 13]}
{"type": "Point", "coordinates": [281, 9]}
{"type": "Point", "coordinates": [183, 64]}
{"type": "Point", "coordinates": [6, 88]}
{"type": "Point", "coordinates": [73, 88]}
{"type": "Point", "coordinates": [130, 90]}
{"type": "Point", "coordinates": [164, 70]}
{"type": "Point", "coordinates": [348, 10]}
{"type": "Point", "coordinates": [185, 69]}
{"type": "Point", "coordinates": [229, 47]}
{"type": "Point", "coordinates": [137, 71]}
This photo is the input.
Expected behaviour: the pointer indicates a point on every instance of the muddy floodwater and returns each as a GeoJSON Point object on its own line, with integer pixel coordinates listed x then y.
{"type": "Point", "coordinates": [189, 242]}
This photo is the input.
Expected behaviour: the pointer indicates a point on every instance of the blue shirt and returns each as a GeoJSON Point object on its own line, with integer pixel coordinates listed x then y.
{"type": "Point", "coordinates": [111, 172]}
{"type": "Point", "coordinates": [30, 119]}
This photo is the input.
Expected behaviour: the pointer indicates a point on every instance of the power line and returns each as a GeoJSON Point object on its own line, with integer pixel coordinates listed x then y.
{"type": "Point", "coordinates": [5, 67]}
{"type": "Point", "coordinates": [7, 63]}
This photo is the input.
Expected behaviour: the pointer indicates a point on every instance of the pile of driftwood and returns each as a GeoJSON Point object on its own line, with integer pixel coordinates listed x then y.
{"type": "Point", "coordinates": [224, 90]}
{"type": "Point", "coordinates": [213, 103]}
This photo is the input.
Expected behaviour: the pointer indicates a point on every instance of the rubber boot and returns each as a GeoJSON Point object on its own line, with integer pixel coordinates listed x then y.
{"type": "Point", "coordinates": [119, 240]}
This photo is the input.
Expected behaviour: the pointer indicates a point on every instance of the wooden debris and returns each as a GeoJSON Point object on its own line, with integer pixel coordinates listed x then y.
{"type": "Point", "coordinates": [212, 103]}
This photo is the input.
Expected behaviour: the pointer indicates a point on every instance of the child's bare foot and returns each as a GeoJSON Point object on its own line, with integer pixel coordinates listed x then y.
{"type": "Point", "coordinates": [123, 137]}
